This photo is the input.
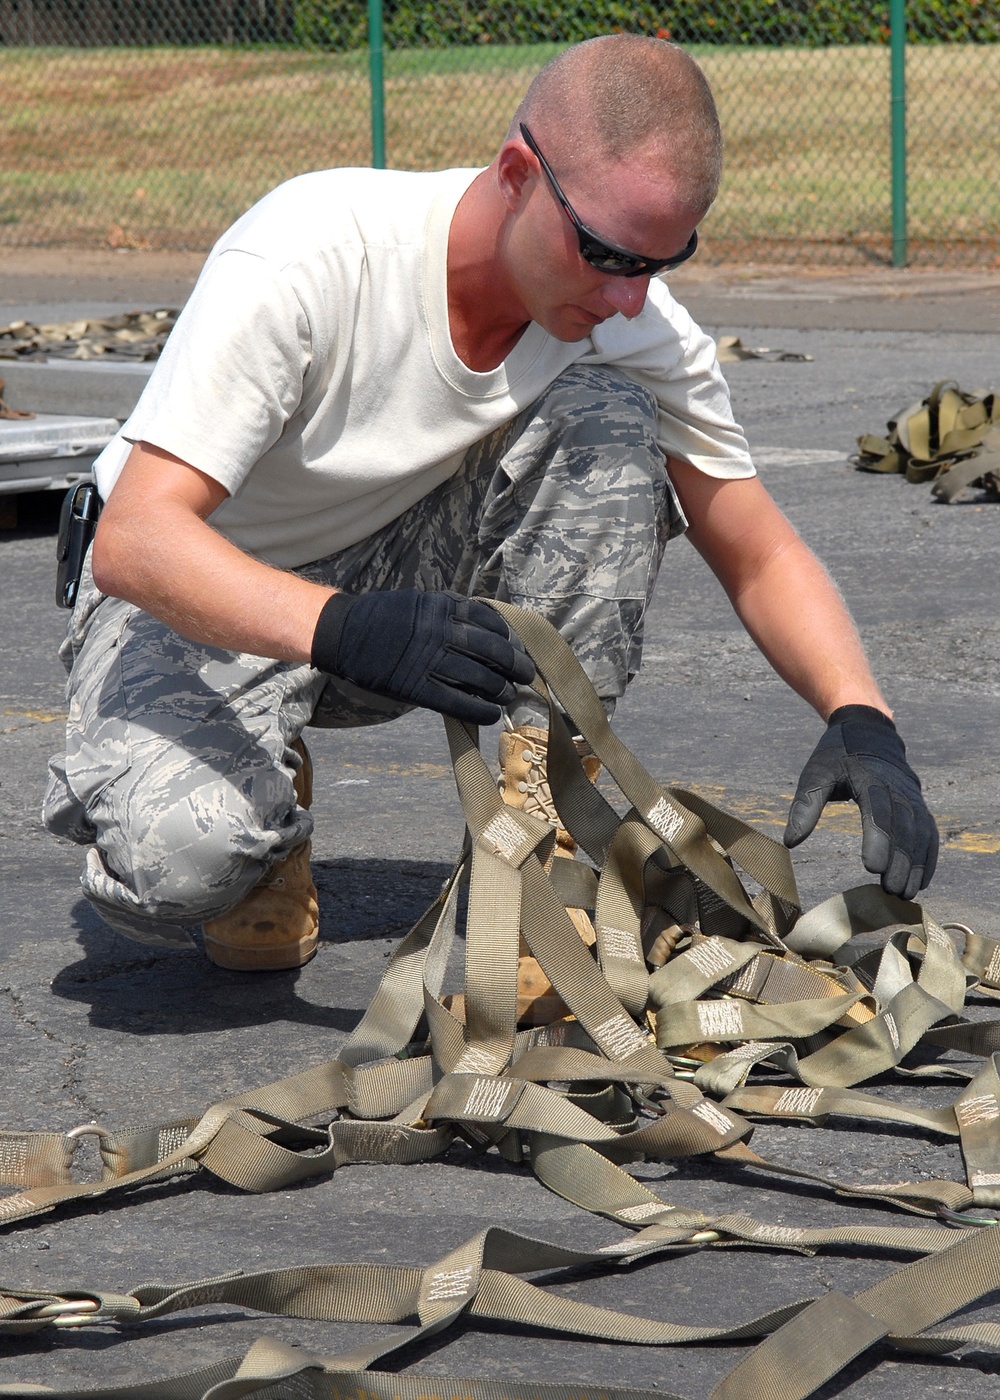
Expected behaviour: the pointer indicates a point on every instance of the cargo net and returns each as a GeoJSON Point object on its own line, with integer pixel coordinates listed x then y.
{"type": "Point", "coordinates": [707, 1002]}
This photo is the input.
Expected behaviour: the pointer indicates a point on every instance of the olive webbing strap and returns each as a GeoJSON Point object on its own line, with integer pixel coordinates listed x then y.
{"type": "Point", "coordinates": [514, 837]}
{"type": "Point", "coordinates": [973, 1118]}
{"type": "Point", "coordinates": [618, 913]}
{"type": "Point", "coordinates": [273, 1371]}
{"type": "Point", "coordinates": [806, 1341]}
{"type": "Point", "coordinates": [682, 830]}
{"type": "Point", "coordinates": [236, 1138]}
{"type": "Point", "coordinates": [623, 1101]}
{"type": "Point", "coordinates": [418, 961]}
{"type": "Point", "coordinates": [811, 1105]}
{"type": "Point", "coordinates": [604, 1189]}
{"type": "Point", "coordinates": [966, 472]}
{"type": "Point", "coordinates": [250, 1140]}
{"type": "Point", "coordinates": [820, 1340]}
{"type": "Point", "coordinates": [934, 1196]}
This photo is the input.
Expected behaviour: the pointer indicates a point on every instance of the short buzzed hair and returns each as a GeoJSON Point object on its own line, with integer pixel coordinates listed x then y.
{"type": "Point", "coordinates": [613, 95]}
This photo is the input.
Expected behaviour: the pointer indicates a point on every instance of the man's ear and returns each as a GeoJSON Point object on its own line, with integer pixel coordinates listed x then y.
{"type": "Point", "coordinates": [515, 172]}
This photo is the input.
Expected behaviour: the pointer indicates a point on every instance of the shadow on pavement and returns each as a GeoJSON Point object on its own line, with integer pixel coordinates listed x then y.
{"type": "Point", "coordinates": [141, 990]}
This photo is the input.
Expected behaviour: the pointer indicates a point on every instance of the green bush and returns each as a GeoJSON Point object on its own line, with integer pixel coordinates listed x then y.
{"type": "Point", "coordinates": [815, 23]}
{"type": "Point", "coordinates": [343, 24]}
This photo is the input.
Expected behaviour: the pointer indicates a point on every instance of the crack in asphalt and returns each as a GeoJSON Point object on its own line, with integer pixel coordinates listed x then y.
{"type": "Point", "coordinates": [72, 1063]}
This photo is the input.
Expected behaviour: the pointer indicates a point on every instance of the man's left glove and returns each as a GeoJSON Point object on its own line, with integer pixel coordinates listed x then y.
{"type": "Point", "coordinates": [862, 757]}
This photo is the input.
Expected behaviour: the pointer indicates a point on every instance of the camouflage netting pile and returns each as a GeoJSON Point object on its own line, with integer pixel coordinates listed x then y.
{"type": "Point", "coordinates": [136, 335]}
{"type": "Point", "coordinates": [950, 438]}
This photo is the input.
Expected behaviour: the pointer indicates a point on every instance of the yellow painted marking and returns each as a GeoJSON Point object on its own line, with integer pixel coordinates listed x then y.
{"type": "Point", "coordinates": [838, 816]}
{"type": "Point", "coordinates": [42, 715]}
{"type": "Point", "coordinates": [756, 811]}
{"type": "Point", "coordinates": [983, 843]}
{"type": "Point", "coordinates": [401, 770]}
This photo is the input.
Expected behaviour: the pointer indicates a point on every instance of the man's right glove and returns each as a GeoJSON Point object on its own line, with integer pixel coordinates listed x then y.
{"type": "Point", "coordinates": [862, 757]}
{"type": "Point", "coordinates": [439, 650]}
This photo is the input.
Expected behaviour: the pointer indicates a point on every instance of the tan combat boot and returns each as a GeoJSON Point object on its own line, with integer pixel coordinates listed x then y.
{"type": "Point", "coordinates": [276, 925]}
{"type": "Point", "coordinates": [524, 784]}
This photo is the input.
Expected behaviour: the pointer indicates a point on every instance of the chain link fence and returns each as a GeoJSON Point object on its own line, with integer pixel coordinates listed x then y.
{"type": "Point", "coordinates": [154, 123]}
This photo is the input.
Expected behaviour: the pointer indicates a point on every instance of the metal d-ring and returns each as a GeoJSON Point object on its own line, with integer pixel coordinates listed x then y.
{"type": "Point", "coordinates": [88, 1130]}
{"type": "Point", "coordinates": [961, 928]}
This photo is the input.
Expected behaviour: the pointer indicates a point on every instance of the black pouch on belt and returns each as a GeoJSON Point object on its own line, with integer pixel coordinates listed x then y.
{"type": "Point", "coordinates": [78, 518]}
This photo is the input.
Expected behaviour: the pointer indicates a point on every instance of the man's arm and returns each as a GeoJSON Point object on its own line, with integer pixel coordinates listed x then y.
{"type": "Point", "coordinates": [782, 594]}
{"type": "Point", "coordinates": [791, 608]}
{"type": "Point", "coordinates": [154, 548]}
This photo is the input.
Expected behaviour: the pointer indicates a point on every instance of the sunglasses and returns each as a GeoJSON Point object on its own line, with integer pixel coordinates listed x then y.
{"type": "Point", "coordinates": [607, 257]}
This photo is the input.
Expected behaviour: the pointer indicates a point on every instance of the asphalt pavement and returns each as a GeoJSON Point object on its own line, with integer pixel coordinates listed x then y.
{"type": "Point", "coordinates": [95, 1028]}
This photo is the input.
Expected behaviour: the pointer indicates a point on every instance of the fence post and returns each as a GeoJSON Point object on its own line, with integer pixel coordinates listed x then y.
{"type": "Point", "coordinates": [897, 41]}
{"type": "Point", "coordinates": [376, 79]}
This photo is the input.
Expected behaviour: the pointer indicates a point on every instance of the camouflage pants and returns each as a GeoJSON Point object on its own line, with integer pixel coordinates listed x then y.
{"type": "Point", "coordinates": [178, 767]}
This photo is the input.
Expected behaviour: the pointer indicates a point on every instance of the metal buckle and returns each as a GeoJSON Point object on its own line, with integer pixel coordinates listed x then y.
{"type": "Point", "coordinates": [684, 1066]}
{"type": "Point", "coordinates": [75, 1312]}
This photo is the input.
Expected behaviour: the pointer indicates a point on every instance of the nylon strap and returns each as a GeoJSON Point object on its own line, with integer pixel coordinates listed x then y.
{"type": "Point", "coordinates": [647, 1067]}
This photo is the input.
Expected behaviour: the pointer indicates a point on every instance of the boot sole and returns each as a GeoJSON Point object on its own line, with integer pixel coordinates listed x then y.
{"type": "Point", "coordinates": [280, 959]}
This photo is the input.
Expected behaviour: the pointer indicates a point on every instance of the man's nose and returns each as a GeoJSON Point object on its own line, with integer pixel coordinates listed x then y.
{"type": "Point", "coordinates": [626, 294]}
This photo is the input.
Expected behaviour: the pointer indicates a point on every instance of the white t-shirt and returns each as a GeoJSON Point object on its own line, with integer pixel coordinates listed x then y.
{"type": "Point", "coordinates": [312, 371]}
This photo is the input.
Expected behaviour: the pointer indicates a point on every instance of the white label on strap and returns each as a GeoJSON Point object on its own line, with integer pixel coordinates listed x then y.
{"type": "Point", "coordinates": [936, 934]}
{"type": "Point", "coordinates": [13, 1158]}
{"type": "Point", "coordinates": [504, 835]}
{"type": "Point", "coordinates": [371, 1141]}
{"type": "Point", "coordinates": [641, 1212]}
{"type": "Point", "coordinates": [981, 1108]}
{"type": "Point", "coordinates": [777, 1234]}
{"type": "Point", "coordinates": [476, 1060]}
{"type": "Point", "coordinates": [984, 1179]}
{"type": "Point", "coordinates": [720, 1018]}
{"type": "Point", "coordinates": [744, 980]}
{"type": "Point", "coordinates": [168, 1141]}
{"type": "Point", "coordinates": [665, 820]}
{"type": "Point", "coordinates": [711, 958]}
{"type": "Point", "coordinates": [450, 1283]}
{"type": "Point", "coordinates": [752, 1050]}
{"type": "Point", "coordinates": [992, 973]}
{"type": "Point", "coordinates": [210, 1293]}
{"type": "Point", "coordinates": [488, 1098]}
{"type": "Point", "coordinates": [555, 1034]}
{"type": "Point", "coordinates": [620, 1036]}
{"type": "Point", "coordinates": [709, 901]}
{"type": "Point", "coordinates": [714, 1117]}
{"type": "Point", "coordinates": [892, 1028]}
{"type": "Point", "coordinates": [798, 1101]}
{"type": "Point", "coordinates": [619, 943]}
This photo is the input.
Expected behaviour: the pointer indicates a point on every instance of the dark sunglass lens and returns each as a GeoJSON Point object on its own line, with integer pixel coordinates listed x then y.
{"type": "Point", "coordinates": [607, 260]}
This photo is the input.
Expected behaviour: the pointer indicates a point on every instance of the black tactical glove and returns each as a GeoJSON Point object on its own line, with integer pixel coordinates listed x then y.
{"type": "Point", "coordinates": [862, 757]}
{"type": "Point", "coordinates": [439, 650]}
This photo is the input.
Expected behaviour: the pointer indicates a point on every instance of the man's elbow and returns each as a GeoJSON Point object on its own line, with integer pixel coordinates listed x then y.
{"type": "Point", "coordinates": [111, 558]}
